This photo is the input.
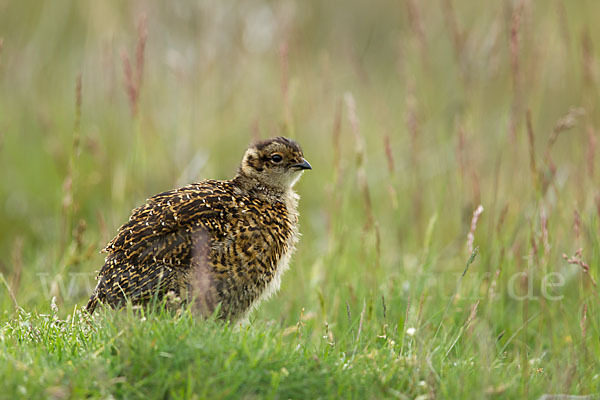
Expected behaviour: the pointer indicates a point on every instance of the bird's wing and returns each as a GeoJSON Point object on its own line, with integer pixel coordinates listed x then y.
{"type": "Point", "coordinates": [177, 209]}
{"type": "Point", "coordinates": [161, 237]}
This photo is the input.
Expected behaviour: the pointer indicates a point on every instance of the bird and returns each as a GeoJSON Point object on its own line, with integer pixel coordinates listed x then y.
{"type": "Point", "coordinates": [221, 245]}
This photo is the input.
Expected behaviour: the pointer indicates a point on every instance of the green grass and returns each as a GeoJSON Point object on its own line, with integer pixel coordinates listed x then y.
{"type": "Point", "coordinates": [411, 115]}
{"type": "Point", "coordinates": [181, 357]}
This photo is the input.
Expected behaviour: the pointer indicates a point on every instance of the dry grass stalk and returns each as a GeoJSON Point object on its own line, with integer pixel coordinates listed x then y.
{"type": "Point", "coordinates": [389, 155]}
{"type": "Point", "coordinates": [329, 335]}
{"type": "Point", "coordinates": [360, 325]}
{"type": "Point", "coordinates": [458, 39]}
{"type": "Point", "coordinates": [78, 234]}
{"type": "Point", "coordinates": [531, 141]}
{"type": "Point", "coordinates": [545, 235]}
{"type": "Point", "coordinates": [130, 86]}
{"type": "Point", "coordinates": [576, 223]}
{"type": "Point", "coordinates": [385, 325]}
{"type": "Point", "coordinates": [354, 123]}
{"type": "Point", "coordinates": [416, 26]}
{"type": "Point", "coordinates": [494, 283]}
{"type": "Point", "coordinates": [590, 151]}
{"type": "Point", "coordinates": [140, 48]}
{"type": "Point", "coordinates": [360, 322]}
{"type": "Point", "coordinates": [533, 241]}
{"type": "Point", "coordinates": [472, 316]}
{"type": "Point", "coordinates": [587, 55]}
{"type": "Point", "coordinates": [405, 323]}
{"type": "Point", "coordinates": [502, 218]}
{"type": "Point", "coordinates": [348, 313]}
{"type": "Point", "coordinates": [471, 235]}
{"type": "Point", "coordinates": [577, 260]}
{"type": "Point", "coordinates": [514, 51]}
{"type": "Point", "coordinates": [514, 43]}
{"type": "Point", "coordinates": [133, 80]}
{"type": "Point", "coordinates": [564, 124]}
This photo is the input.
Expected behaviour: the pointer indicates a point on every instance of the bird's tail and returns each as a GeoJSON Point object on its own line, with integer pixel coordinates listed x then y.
{"type": "Point", "coordinates": [94, 298]}
{"type": "Point", "coordinates": [92, 303]}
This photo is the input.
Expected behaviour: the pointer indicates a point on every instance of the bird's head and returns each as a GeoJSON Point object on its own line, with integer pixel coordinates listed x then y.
{"type": "Point", "coordinates": [276, 163]}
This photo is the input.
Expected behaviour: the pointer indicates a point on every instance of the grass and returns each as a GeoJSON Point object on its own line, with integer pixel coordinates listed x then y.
{"type": "Point", "coordinates": [161, 356]}
{"type": "Point", "coordinates": [412, 116]}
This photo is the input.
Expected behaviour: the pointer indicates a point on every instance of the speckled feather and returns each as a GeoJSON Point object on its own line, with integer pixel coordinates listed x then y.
{"type": "Point", "coordinates": [217, 242]}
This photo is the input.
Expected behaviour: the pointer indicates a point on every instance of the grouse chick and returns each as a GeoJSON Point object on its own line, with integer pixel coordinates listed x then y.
{"type": "Point", "coordinates": [214, 242]}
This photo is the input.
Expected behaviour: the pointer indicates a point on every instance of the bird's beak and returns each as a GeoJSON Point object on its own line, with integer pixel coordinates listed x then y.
{"type": "Point", "coordinates": [303, 165]}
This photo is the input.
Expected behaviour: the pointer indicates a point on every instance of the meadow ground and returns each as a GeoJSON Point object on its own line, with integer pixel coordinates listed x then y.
{"type": "Point", "coordinates": [412, 114]}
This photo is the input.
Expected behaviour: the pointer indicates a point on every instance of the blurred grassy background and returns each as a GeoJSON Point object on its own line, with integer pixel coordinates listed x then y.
{"type": "Point", "coordinates": [412, 114]}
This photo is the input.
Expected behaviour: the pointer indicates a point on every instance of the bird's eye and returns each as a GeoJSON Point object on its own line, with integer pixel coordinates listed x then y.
{"type": "Point", "coordinates": [276, 158]}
